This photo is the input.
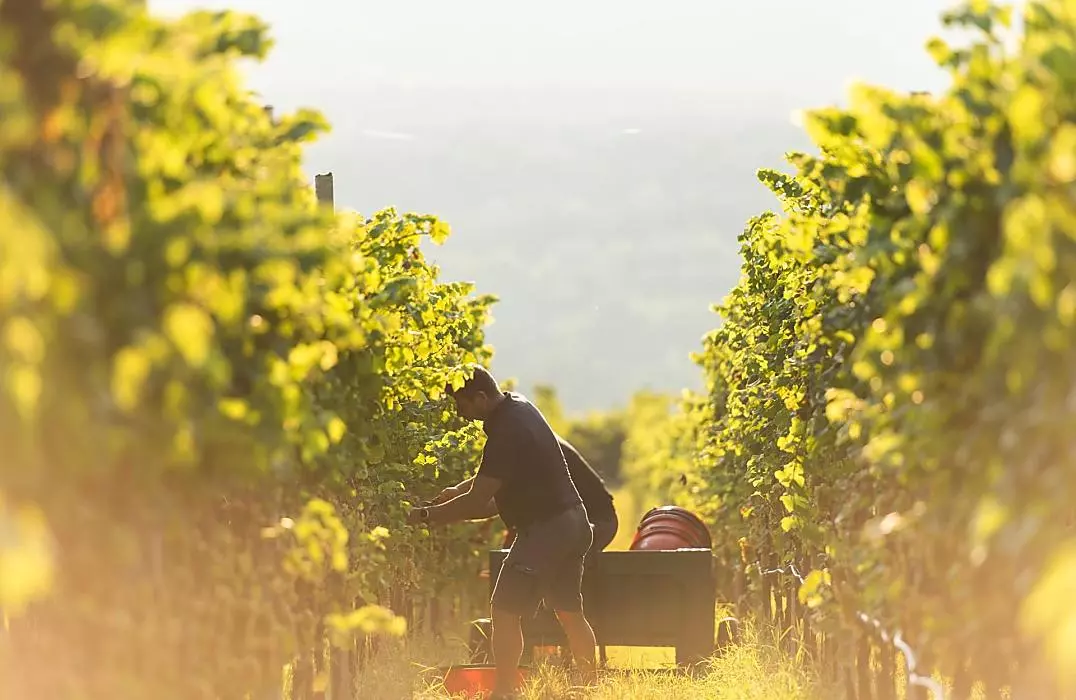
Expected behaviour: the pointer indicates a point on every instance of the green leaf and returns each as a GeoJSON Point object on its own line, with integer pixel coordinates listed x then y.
{"type": "Point", "coordinates": [236, 409]}
{"type": "Point", "coordinates": [440, 232]}
{"type": "Point", "coordinates": [810, 591]}
{"type": "Point", "coordinates": [1025, 112]}
{"type": "Point", "coordinates": [336, 430]}
{"type": "Point", "coordinates": [130, 369]}
{"type": "Point", "coordinates": [191, 331]}
{"type": "Point", "coordinates": [27, 557]}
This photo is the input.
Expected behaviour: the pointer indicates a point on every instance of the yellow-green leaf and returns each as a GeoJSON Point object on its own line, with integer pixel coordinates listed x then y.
{"type": "Point", "coordinates": [130, 368]}
{"type": "Point", "coordinates": [191, 331]}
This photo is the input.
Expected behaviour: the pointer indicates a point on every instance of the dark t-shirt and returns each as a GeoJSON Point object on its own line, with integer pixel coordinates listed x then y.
{"type": "Point", "coordinates": [591, 488]}
{"type": "Point", "coordinates": [523, 452]}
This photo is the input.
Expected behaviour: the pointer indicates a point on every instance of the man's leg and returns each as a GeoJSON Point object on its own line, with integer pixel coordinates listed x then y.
{"type": "Point", "coordinates": [565, 596]}
{"type": "Point", "coordinates": [507, 649]}
{"type": "Point", "coordinates": [580, 640]}
{"type": "Point", "coordinates": [566, 599]}
{"type": "Point", "coordinates": [603, 531]}
{"type": "Point", "coordinates": [515, 594]}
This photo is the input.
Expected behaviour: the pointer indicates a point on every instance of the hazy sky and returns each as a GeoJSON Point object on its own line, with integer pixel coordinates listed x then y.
{"type": "Point", "coordinates": [755, 46]}
{"type": "Point", "coordinates": [581, 150]}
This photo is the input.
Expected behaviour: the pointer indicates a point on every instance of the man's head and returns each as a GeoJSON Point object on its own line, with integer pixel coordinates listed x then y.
{"type": "Point", "coordinates": [477, 398]}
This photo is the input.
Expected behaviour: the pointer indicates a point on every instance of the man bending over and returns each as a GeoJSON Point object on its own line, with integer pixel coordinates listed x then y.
{"type": "Point", "coordinates": [525, 474]}
{"type": "Point", "coordinates": [597, 500]}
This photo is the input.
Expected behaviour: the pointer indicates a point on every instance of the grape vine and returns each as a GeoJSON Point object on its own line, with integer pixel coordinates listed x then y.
{"type": "Point", "coordinates": [891, 389]}
{"type": "Point", "coordinates": [213, 390]}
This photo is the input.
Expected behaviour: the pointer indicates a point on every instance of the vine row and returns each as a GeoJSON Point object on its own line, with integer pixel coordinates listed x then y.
{"type": "Point", "coordinates": [892, 386]}
{"type": "Point", "coordinates": [213, 387]}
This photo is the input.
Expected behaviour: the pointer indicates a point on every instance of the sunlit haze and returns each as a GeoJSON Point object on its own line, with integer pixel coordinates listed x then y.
{"type": "Point", "coordinates": [595, 159]}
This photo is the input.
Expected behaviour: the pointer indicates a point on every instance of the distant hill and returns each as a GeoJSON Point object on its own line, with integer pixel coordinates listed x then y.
{"type": "Point", "coordinates": [606, 223]}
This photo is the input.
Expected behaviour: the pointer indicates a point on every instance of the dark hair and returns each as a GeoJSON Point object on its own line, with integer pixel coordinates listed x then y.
{"type": "Point", "coordinates": [480, 381]}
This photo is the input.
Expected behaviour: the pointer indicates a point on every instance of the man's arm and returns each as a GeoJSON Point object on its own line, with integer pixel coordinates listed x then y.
{"type": "Point", "coordinates": [476, 503]}
{"type": "Point", "coordinates": [452, 491]}
{"type": "Point", "coordinates": [472, 504]}
{"type": "Point", "coordinates": [490, 511]}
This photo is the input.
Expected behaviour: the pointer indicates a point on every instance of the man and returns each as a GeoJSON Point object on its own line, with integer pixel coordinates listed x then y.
{"type": "Point", "coordinates": [591, 488]}
{"type": "Point", "coordinates": [524, 473]}
{"type": "Point", "coordinates": [596, 497]}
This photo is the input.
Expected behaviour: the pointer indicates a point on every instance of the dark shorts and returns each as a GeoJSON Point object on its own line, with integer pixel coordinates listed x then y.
{"type": "Point", "coordinates": [545, 561]}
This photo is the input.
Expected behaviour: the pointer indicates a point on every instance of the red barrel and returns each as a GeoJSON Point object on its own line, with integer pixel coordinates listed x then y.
{"type": "Point", "coordinates": [671, 527]}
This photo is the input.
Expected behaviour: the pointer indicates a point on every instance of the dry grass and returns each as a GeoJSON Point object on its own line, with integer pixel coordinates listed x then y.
{"type": "Point", "coordinates": [754, 669]}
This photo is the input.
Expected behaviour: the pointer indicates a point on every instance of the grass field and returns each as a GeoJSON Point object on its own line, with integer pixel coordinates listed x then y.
{"type": "Point", "coordinates": [753, 669]}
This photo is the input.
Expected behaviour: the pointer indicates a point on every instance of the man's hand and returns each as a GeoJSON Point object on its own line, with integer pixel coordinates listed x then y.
{"type": "Point", "coordinates": [414, 516]}
{"type": "Point", "coordinates": [472, 502]}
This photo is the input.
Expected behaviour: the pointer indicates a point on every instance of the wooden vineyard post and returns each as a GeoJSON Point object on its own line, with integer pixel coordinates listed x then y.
{"type": "Point", "coordinates": [323, 188]}
{"type": "Point", "coordinates": [343, 663]}
{"type": "Point", "coordinates": [767, 598]}
{"type": "Point", "coordinates": [863, 668]}
{"type": "Point", "coordinates": [739, 588]}
{"type": "Point", "coordinates": [317, 691]}
{"type": "Point", "coordinates": [887, 684]}
{"type": "Point", "coordinates": [797, 619]}
{"type": "Point", "coordinates": [302, 677]}
{"type": "Point", "coordinates": [433, 617]}
{"type": "Point", "coordinates": [832, 654]}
